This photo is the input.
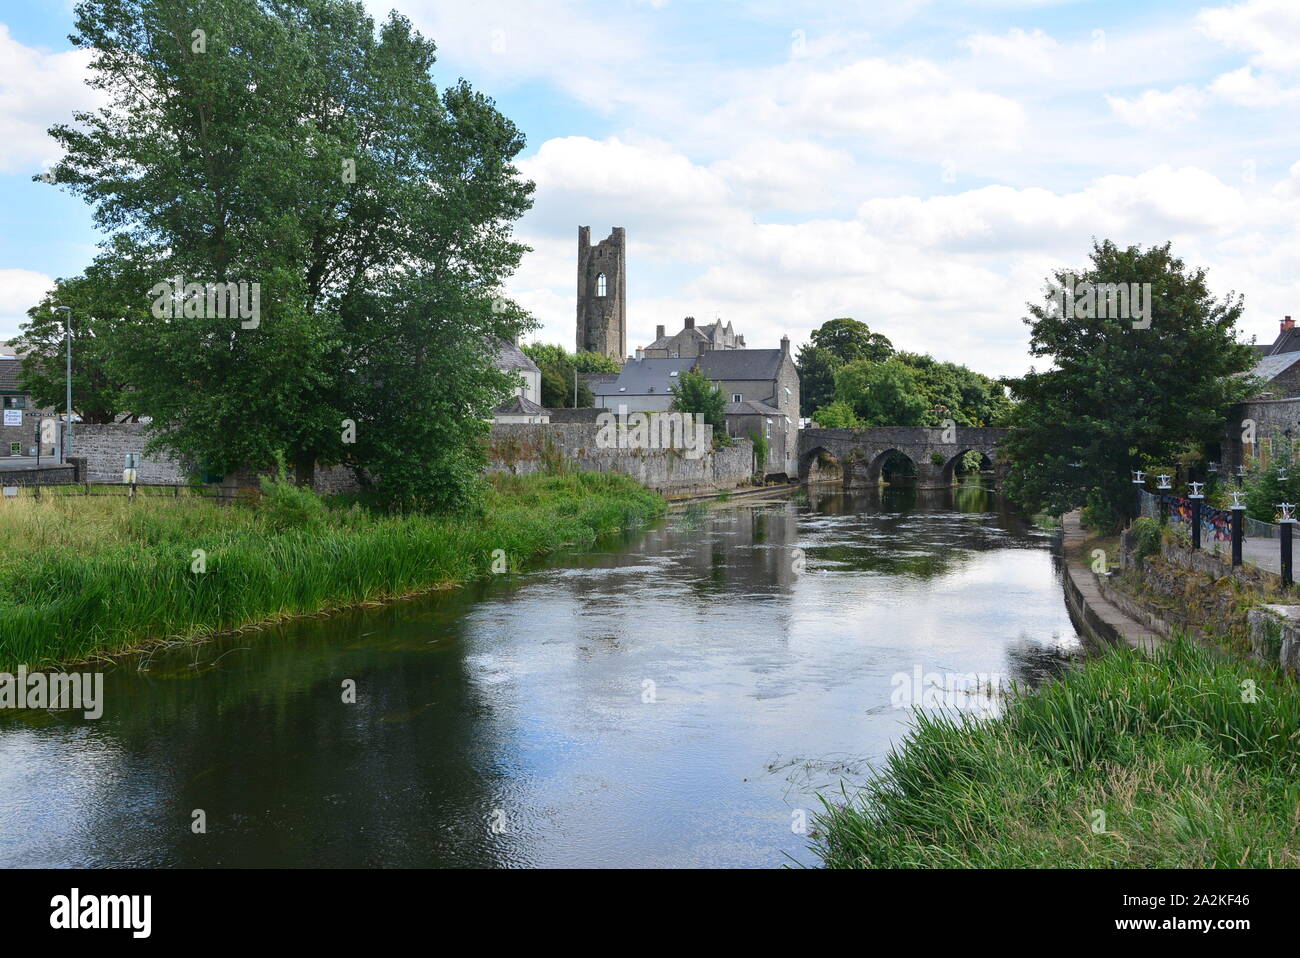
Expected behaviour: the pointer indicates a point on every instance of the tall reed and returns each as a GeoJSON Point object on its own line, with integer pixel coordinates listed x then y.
{"type": "Point", "coordinates": [81, 576]}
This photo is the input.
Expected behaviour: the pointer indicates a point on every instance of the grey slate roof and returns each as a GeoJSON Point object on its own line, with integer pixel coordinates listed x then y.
{"type": "Point", "coordinates": [9, 370]}
{"type": "Point", "coordinates": [510, 357]}
{"type": "Point", "coordinates": [1273, 366]}
{"type": "Point", "coordinates": [520, 406]}
{"type": "Point", "coordinates": [736, 364]}
{"type": "Point", "coordinates": [751, 408]}
{"type": "Point", "coordinates": [642, 377]}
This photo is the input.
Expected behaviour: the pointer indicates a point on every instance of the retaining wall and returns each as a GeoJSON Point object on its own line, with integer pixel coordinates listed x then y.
{"type": "Point", "coordinates": [522, 448]}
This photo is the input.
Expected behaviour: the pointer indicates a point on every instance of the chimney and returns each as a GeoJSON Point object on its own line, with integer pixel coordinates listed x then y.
{"type": "Point", "coordinates": [640, 353]}
{"type": "Point", "coordinates": [659, 333]}
{"type": "Point", "coordinates": [1288, 324]}
{"type": "Point", "coordinates": [690, 322]}
{"type": "Point", "coordinates": [785, 345]}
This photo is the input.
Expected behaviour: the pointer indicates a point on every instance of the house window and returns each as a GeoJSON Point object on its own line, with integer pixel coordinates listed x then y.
{"type": "Point", "coordinates": [15, 402]}
{"type": "Point", "coordinates": [15, 448]}
{"type": "Point", "coordinates": [602, 287]}
{"type": "Point", "coordinates": [735, 397]}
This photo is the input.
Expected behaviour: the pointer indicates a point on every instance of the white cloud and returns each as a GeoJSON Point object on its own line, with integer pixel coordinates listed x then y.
{"type": "Point", "coordinates": [20, 290]}
{"type": "Point", "coordinates": [1157, 109]}
{"type": "Point", "coordinates": [1269, 30]}
{"type": "Point", "coordinates": [37, 89]}
{"type": "Point", "coordinates": [1034, 50]}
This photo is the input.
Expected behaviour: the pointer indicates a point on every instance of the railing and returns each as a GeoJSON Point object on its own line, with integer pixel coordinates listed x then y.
{"type": "Point", "coordinates": [1216, 524]}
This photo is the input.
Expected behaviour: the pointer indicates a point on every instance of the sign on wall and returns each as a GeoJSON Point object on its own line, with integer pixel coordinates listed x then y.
{"type": "Point", "coordinates": [13, 417]}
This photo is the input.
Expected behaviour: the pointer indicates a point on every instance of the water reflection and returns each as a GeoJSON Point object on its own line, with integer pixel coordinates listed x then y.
{"type": "Point", "coordinates": [667, 700]}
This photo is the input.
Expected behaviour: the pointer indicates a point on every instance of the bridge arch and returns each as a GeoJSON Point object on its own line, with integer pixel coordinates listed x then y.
{"type": "Point", "coordinates": [950, 467]}
{"type": "Point", "coordinates": [876, 465]}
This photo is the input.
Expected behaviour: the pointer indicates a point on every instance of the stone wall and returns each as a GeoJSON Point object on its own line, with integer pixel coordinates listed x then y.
{"type": "Point", "coordinates": [41, 476]}
{"type": "Point", "coordinates": [105, 447]}
{"type": "Point", "coordinates": [1273, 418]}
{"type": "Point", "coordinates": [521, 449]}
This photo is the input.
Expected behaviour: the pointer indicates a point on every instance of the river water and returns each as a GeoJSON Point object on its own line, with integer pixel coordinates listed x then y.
{"type": "Point", "coordinates": [678, 698]}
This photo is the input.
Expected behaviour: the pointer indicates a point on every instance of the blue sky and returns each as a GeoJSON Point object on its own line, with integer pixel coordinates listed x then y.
{"type": "Point", "coordinates": [918, 165]}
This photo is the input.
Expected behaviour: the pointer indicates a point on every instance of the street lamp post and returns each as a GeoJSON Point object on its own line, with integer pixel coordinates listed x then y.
{"type": "Point", "coordinates": [67, 326]}
{"type": "Point", "coordinates": [1163, 486]}
{"type": "Point", "coordinates": [1238, 514]}
{"type": "Point", "coordinates": [1139, 477]}
{"type": "Point", "coordinates": [1285, 525]}
{"type": "Point", "coordinates": [1196, 496]}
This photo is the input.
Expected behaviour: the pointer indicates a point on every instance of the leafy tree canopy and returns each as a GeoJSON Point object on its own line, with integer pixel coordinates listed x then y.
{"type": "Point", "coordinates": [1117, 395]}
{"type": "Point", "coordinates": [289, 144]}
{"type": "Point", "coordinates": [696, 393]}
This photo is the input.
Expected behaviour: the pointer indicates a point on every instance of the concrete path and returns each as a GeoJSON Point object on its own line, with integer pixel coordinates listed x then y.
{"type": "Point", "coordinates": [1262, 553]}
{"type": "Point", "coordinates": [1078, 567]}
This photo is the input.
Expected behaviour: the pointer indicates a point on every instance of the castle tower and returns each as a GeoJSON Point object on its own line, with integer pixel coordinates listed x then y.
{"type": "Point", "coordinates": [602, 296]}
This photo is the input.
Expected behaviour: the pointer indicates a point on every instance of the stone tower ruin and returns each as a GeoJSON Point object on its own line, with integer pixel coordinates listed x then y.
{"type": "Point", "coordinates": [602, 297]}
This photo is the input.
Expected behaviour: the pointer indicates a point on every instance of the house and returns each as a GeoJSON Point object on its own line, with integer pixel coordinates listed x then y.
{"type": "Point", "coordinates": [21, 420]}
{"type": "Point", "coordinates": [693, 340]}
{"type": "Point", "coordinates": [1278, 365]}
{"type": "Point", "coordinates": [758, 384]}
{"type": "Point", "coordinates": [511, 359]}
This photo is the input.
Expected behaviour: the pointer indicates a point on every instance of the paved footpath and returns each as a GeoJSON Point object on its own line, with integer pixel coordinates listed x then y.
{"type": "Point", "coordinates": [1079, 569]}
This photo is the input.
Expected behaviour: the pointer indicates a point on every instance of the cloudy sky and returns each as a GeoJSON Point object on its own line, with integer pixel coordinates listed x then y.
{"type": "Point", "coordinates": [918, 165]}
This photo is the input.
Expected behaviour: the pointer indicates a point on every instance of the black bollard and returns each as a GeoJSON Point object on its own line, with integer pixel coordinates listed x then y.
{"type": "Point", "coordinates": [1196, 522]}
{"type": "Point", "coordinates": [1285, 533]}
{"type": "Point", "coordinates": [1237, 524]}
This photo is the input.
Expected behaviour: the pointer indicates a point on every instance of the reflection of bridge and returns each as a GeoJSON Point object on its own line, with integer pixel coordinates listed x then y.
{"type": "Point", "coordinates": [862, 453]}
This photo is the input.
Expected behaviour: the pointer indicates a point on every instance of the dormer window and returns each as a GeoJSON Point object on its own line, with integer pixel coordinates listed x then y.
{"type": "Point", "coordinates": [602, 286]}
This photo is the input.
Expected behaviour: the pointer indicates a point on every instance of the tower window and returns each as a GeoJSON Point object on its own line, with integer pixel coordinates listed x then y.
{"type": "Point", "coordinates": [602, 287]}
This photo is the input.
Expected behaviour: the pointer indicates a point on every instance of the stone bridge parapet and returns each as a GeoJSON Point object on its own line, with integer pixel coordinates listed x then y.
{"type": "Point", "coordinates": [936, 452]}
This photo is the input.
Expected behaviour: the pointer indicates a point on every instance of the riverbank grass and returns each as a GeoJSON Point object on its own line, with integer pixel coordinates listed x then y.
{"type": "Point", "coordinates": [85, 576]}
{"type": "Point", "coordinates": [1186, 759]}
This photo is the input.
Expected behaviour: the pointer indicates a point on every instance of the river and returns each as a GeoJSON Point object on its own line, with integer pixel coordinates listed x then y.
{"type": "Point", "coordinates": [677, 698]}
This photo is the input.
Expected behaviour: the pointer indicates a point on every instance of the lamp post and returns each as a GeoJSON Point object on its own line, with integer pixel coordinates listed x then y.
{"type": "Point", "coordinates": [67, 326]}
{"type": "Point", "coordinates": [1139, 477]}
{"type": "Point", "coordinates": [1241, 475]}
{"type": "Point", "coordinates": [1162, 486]}
{"type": "Point", "coordinates": [1196, 496]}
{"type": "Point", "coordinates": [1238, 514]}
{"type": "Point", "coordinates": [1285, 525]}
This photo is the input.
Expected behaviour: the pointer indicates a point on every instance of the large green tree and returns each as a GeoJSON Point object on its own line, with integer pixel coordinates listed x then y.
{"type": "Point", "coordinates": [289, 144]}
{"type": "Point", "coordinates": [1121, 390]}
{"type": "Point", "coordinates": [695, 393]}
{"type": "Point", "coordinates": [883, 394]}
{"type": "Point", "coordinates": [830, 346]}
{"type": "Point", "coordinates": [561, 368]}
{"type": "Point", "coordinates": [104, 300]}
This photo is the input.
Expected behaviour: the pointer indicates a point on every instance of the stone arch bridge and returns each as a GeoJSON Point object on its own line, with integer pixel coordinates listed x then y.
{"type": "Point", "coordinates": [862, 453]}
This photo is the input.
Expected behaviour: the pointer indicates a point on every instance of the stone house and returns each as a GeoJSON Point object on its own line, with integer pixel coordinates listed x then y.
{"type": "Point", "coordinates": [511, 359]}
{"type": "Point", "coordinates": [758, 385]}
{"type": "Point", "coordinates": [692, 341]}
{"type": "Point", "coordinates": [20, 419]}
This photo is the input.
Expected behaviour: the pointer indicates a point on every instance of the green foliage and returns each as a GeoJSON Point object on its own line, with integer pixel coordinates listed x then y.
{"type": "Point", "coordinates": [1188, 773]}
{"type": "Point", "coordinates": [850, 341]}
{"type": "Point", "coordinates": [835, 343]}
{"type": "Point", "coordinates": [107, 297]}
{"type": "Point", "coordinates": [286, 506]}
{"type": "Point", "coordinates": [84, 575]}
{"type": "Point", "coordinates": [1264, 487]}
{"type": "Point", "coordinates": [957, 393]}
{"type": "Point", "coordinates": [760, 451]}
{"type": "Point", "coordinates": [696, 393]}
{"type": "Point", "coordinates": [882, 394]}
{"type": "Point", "coordinates": [837, 415]}
{"type": "Point", "coordinates": [559, 369]}
{"type": "Point", "coordinates": [1119, 395]}
{"type": "Point", "coordinates": [378, 291]}
{"type": "Point", "coordinates": [1146, 538]}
